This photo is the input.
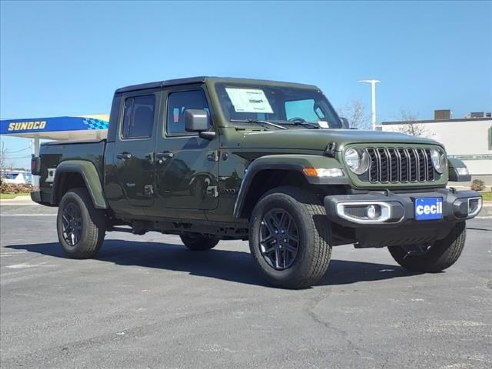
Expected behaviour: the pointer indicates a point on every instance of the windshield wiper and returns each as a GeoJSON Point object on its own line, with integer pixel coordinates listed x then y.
{"type": "Point", "coordinates": [307, 124]}
{"type": "Point", "coordinates": [258, 121]}
{"type": "Point", "coordinates": [301, 122]}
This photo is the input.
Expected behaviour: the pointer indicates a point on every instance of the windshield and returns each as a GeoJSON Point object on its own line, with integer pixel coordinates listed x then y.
{"type": "Point", "coordinates": [288, 106]}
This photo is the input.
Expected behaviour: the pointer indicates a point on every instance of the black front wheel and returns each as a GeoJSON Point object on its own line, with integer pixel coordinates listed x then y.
{"type": "Point", "coordinates": [433, 257]}
{"type": "Point", "coordinates": [289, 238]}
{"type": "Point", "coordinates": [80, 226]}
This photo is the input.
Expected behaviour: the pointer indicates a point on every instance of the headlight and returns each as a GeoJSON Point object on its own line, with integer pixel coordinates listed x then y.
{"type": "Point", "coordinates": [357, 160]}
{"type": "Point", "coordinates": [439, 160]}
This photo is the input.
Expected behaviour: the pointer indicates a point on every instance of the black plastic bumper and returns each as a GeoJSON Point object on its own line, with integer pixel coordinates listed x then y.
{"type": "Point", "coordinates": [36, 196]}
{"type": "Point", "coordinates": [41, 198]}
{"type": "Point", "coordinates": [392, 217]}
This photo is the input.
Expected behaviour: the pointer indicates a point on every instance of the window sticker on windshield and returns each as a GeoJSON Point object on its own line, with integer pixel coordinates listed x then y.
{"type": "Point", "coordinates": [323, 124]}
{"type": "Point", "coordinates": [249, 100]}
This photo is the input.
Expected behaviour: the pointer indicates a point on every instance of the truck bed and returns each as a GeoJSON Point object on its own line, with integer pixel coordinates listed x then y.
{"type": "Point", "coordinates": [53, 153]}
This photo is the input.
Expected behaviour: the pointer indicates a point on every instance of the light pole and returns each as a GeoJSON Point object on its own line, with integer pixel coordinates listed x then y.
{"type": "Point", "coordinates": [373, 100]}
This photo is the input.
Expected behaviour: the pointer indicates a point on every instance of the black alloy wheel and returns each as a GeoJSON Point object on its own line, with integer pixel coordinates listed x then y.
{"type": "Point", "coordinates": [198, 241]}
{"type": "Point", "coordinates": [289, 237]}
{"type": "Point", "coordinates": [417, 250]}
{"type": "Point", "coordinates": [72, 224]}
{"type": "Point", "coordinates": [279, 239]}
{"type": "Point", "coordinates": [434, 257]}
{"type": "Point", "coordinates": [80, 226]}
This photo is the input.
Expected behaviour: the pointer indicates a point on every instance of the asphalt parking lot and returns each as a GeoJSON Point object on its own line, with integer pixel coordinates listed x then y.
{"type": "Point", "coordinates": [147, 302]}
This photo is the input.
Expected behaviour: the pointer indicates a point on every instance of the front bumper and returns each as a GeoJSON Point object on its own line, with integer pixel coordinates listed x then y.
{"type": "Point", "coordinates": [385, 218]}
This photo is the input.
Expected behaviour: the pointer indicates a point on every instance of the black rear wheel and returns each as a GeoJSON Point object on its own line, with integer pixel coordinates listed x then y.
{"type": "Point", "coordinates": [80, 226]}
{"type": "Point", "coordinates": [198, 241]}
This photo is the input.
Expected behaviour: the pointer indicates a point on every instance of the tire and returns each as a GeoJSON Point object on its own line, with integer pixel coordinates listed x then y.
{"type": "Point", "coordinates": [438, 256]}
{"type": "Point", "coordinates": [198, 241]}
{"type": "Point", "coordinates": [282, 260]}
{"type": "Point", "coordinates": [77, 210]}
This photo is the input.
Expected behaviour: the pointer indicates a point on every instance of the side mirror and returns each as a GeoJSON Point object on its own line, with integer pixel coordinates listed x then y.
{"type": "Point", "coordinates": [345, 123]}
{"type": "Point", "coordinates": [196, 120]}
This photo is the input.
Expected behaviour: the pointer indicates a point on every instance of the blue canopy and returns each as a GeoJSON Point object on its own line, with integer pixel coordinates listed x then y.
{"type": "Point", "coordinates": [57, 128]}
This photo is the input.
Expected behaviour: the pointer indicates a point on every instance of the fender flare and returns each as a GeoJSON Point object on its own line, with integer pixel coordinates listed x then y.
{"type": "Point", "coordinates": [91, 178]}
{"type": "Point", "coordinates": [295, 163]}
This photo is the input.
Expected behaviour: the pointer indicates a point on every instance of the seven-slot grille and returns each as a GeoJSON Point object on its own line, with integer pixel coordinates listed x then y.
{"type": "Point", "coordinates": [400, 165]}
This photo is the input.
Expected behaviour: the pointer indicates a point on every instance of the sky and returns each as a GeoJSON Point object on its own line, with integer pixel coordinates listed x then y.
{"type": "Point", "coordinates": [67, 58]}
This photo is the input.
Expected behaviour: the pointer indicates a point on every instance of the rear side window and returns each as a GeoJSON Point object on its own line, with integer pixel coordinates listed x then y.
{"type": "Point", "coordinates": [138, 118]}
{"type": "Point", "coordinates": [177, 103]}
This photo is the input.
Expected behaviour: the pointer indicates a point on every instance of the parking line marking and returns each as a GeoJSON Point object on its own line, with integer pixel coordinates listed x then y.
{"type": "Point", "coordinates": [27, 215]}
{"type": "Point", "coordinates": [12, 253]}
{"type": "Point", "coordinates": [27, 265]}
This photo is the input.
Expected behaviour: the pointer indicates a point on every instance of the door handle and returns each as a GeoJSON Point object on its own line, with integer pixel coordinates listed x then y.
{"type": "Point", "coordinates": [160, 157]}
{"type": "Point", "coordinates": [164, 155]}
{"type": "Point", "coordinates": [124, 156]}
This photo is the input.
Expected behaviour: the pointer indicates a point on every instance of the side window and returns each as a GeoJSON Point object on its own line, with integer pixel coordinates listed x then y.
{"type": "Point", "coordinates": [177, 103]}
{"type": "Point", "coordinates": [138, 117]}
{"type": "Point", "coordinates": [304, 109]}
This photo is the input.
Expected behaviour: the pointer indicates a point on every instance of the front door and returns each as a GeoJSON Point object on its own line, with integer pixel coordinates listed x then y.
{"type": "Point", "coordinates": [186, 165]}
{"type": "Point", "coordinates": [133, 154]}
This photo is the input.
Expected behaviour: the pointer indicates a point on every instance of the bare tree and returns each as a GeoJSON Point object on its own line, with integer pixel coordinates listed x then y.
{"type": "Point", "coordinates": [411, 126]}
{"type": "Point", "coordinates": [356, 114]}
{"type": "Point", "coordinates": [3, 157]}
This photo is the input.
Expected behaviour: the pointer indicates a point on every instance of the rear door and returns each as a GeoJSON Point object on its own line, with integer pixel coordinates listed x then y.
{"type": "Point", "coordinates": [133, 153]}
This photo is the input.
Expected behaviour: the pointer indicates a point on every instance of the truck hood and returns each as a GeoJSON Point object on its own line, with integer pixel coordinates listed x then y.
{"type": "Point", "coordinates": [318, 139]}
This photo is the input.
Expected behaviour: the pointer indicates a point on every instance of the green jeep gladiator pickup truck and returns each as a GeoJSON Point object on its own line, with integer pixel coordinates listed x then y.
{"type": "Point", "coordinates": [213, 159]}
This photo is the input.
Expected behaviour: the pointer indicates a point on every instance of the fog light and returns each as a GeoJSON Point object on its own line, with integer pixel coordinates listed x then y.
{"type": "Point", "coordinates": [372, 212]}
{"type": "Point", "coordinates": [367, 212]}
{"type": "Point", "coordinates": [474, 206]}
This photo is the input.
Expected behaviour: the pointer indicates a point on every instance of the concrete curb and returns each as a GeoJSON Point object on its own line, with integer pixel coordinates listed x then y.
{"type": "Point", "coordinates": [486, 210]}
{"type": "Point", "coordinates": [19, 200]}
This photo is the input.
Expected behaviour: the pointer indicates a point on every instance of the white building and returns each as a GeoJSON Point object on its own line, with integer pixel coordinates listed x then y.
{"type": "Point", "coordinates": [468, 139]}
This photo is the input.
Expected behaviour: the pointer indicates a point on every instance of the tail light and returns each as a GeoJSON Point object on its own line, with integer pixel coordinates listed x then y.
{"type": "Point", "coordinates": [35, 165]}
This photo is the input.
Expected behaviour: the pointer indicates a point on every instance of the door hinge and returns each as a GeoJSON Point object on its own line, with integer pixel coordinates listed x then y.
{"type": "Point", "coordinates": [213, 155]}
{"type": "Point", "coordinates": [212, 191]}
{"type": "Point", "coordinates": [148, 190]}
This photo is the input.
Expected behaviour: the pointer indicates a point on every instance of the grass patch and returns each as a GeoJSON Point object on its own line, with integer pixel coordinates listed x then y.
{"type": "Point", "coordinates": [6, 196]}
{"type": "Point", "coordinates": [487, 196]}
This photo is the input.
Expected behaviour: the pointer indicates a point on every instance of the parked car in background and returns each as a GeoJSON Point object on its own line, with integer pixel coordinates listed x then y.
{"type": "Point", "coordinates": [16, 177]}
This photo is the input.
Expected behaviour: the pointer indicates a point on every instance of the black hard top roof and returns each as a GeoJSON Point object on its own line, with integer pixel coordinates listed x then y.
{"type": "Point", "coordinates": [202, 79]}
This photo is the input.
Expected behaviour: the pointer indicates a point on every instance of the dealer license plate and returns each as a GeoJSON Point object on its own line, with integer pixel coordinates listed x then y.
{"type": "Point", "coordinates": [428, 208]}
